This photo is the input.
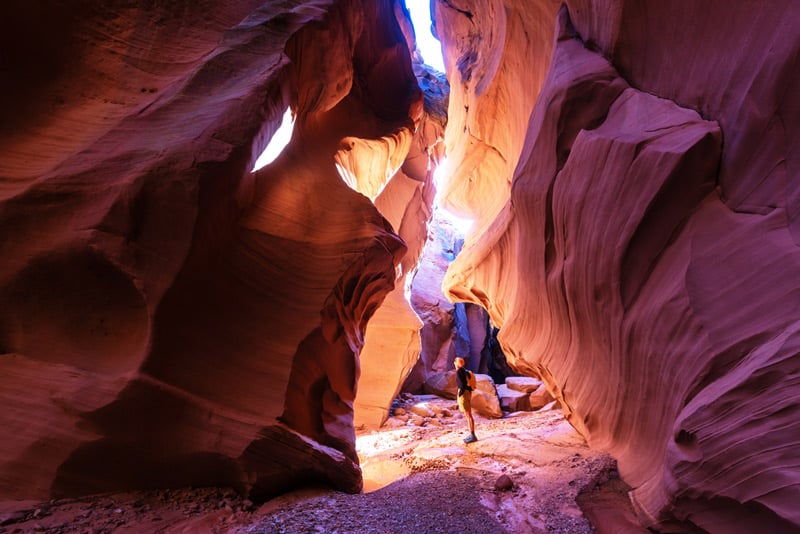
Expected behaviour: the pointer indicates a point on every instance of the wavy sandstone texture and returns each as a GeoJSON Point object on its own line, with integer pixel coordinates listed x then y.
{"type": "Point", "coordinates": [168, 317]}
{"type": "Point", "coordinates": [642, 257]}
{"type": "Point", "coordinates": [392, 339]}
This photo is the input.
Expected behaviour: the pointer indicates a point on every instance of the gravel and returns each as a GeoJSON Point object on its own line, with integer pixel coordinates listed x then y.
{"type": "Point", "coordinates": [427, 480]}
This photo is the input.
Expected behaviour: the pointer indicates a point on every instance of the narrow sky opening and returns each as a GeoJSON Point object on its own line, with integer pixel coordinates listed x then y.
{"type": "Point", "coordinates": [429, 46]}
{"type": "Point", "coordinates": [431, 50]}
{"type": "Point", "coordinates": [278, 141]}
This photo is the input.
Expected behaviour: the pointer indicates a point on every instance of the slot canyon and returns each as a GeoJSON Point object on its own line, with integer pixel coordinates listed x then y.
{"type": "Point", "coordinates": [171, 317]}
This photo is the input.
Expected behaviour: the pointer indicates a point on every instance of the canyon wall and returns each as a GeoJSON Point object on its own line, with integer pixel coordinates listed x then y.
{"type": "Point", "coordinates": [392, 341]}
{"type": "Point", "coordinates": [640, 250]}
{"type": "Point", "coordinates": [448, 329]}
{"type": "Point", "coordinates": [168, 317]}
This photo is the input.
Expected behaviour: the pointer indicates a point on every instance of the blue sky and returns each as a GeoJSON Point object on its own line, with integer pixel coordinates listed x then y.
{"type": "Point", "coordinates": [428, 46]}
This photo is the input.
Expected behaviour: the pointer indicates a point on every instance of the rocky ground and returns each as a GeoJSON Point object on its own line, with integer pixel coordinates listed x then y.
{"type": "Point", "coordinates": [525, 474]}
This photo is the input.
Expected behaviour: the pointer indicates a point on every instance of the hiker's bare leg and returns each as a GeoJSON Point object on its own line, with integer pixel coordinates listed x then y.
{"type": "Point", "coordinates": [471, 422]}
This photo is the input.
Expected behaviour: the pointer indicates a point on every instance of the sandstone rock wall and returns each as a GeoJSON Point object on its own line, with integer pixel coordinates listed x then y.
{"type": "Point", "coordinates": [167, 317]}
{"type": "Point", "coordinates": [448, 329]}
{"type": "Point", "coordinates": [436, 312]}
{"type": "Point", "coordinates": [644, 259]}
{"type": "Point", "coordinates": [392, 340]}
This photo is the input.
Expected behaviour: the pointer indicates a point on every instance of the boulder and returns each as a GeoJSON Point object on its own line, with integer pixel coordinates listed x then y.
{"type": "Point", "coordinates": [503, 483]}
{"type": "Point", "coordinates": [552, 405]}
{"type": "Point", "coordinates": [540, 397]}
{"type": "Point", "coordinates": [484, 399]}
{"type": "Point", "coordinates": [394, 422]}
{"type": "Point", "coordinates": [442, 384]}
{"type": "Point", "coordinates": [512, 400]}
{"type": "Point", "coordinates": [525, 384]}
{"type": "Point", "coordinates": [422, 409]}
{"type": "Point", "coordinates": [416, 420]}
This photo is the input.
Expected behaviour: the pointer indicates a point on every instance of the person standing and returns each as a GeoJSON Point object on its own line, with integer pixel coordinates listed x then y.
{"type": "Point", "coordinates": [463, 379]}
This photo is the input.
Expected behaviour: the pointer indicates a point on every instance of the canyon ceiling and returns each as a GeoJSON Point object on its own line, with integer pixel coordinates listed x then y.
{"type": "Point", "coordinates": [168, 317]}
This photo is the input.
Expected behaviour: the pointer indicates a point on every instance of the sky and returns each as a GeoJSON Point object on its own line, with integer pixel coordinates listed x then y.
{"type": "Point", "coordinates": [428, 46]}
{"type": "Point", "coordinates": [431, 51]}
{"type": "Point", "coordinates": [279, 140]}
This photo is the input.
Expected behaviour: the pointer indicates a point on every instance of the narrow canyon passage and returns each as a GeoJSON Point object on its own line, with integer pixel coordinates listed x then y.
{"type": "Point", "coordinates": [173, 318]}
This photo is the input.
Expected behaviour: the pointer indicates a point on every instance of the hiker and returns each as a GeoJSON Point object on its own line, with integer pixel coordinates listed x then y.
{"type": "Point", "coordinates": [465, 379]}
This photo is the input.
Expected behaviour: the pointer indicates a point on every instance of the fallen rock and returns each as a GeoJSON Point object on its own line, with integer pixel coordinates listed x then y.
{"type": "Point", "coordinates": [394, 422]}
{"type": "Point", "coordinates": [553, 405]}
{"type": "Point", "coordinates": [416, 420]}
{"type": "Point", "coordinates": [442, 384]}
{"type": "Point", "coordinates": [512, 400]}
{"type": "Point", "coordinates": [539, 398]}
{"type": "Point", "coordinates": [422, 409]}
{"type": "Point", "coordinates": [526, 384]}
{"type": "Point", "coordinates": [484, 399]}
{"type": "Point", "coordinates": [503, 483]}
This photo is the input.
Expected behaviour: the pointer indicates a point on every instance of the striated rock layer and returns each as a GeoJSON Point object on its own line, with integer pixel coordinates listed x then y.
{"type": "Point", "coordinates": [644, 261]}
{"type": "Point", "coordinates": [168, 317]}
{"type": "Point", "coordinates": [392, 339]}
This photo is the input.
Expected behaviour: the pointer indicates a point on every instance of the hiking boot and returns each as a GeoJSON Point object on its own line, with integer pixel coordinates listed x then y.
{"type": "Point", "coordinates": [470, 439]}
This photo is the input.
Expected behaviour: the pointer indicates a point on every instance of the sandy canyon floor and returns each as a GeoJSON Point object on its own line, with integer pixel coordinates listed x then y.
{"type": "Point", "coordinates": [418, 479]}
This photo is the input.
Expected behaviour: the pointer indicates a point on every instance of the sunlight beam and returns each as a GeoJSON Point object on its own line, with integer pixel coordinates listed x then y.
{"type": "Point", "coordinates": [278, 141]}
{"type": "Point", "coordinates": [440, 177]}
